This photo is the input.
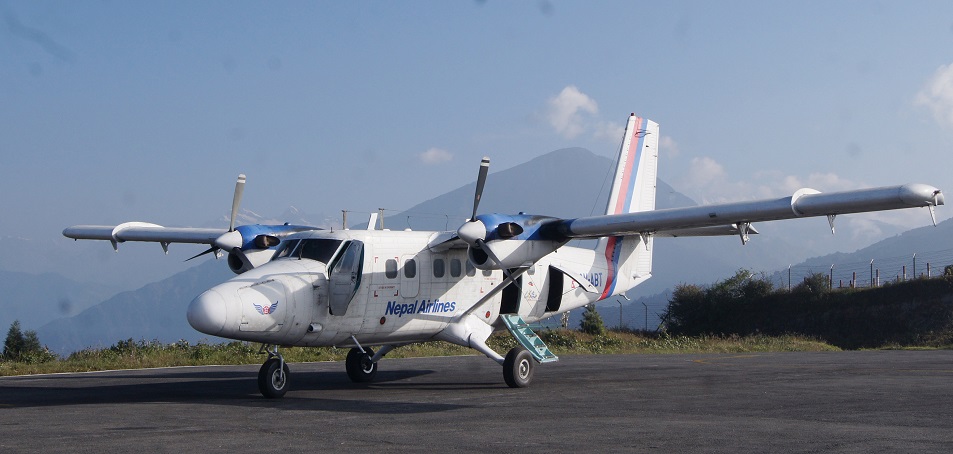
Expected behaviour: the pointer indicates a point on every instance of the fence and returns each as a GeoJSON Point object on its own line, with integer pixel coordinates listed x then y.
{"type": "Point", "coordinates": [871, 273]}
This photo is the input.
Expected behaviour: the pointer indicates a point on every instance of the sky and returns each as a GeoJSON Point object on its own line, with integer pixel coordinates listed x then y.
{"type": "Point", "coordinates": [116, 111]}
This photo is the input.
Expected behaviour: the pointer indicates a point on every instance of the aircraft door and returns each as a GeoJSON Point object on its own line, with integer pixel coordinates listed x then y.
{"type": "Point", "coordinates": [345, 277]}
{"type": "Point", "coordinates": [510, 302]}
{"type": "Point", "coordinates": [409, 277]}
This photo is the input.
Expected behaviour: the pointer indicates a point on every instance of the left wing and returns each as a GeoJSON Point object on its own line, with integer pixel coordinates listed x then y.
{"type": "Point", "coordinates": [143, 231]}
{"type": "Point", "coordinates": [804, 203]}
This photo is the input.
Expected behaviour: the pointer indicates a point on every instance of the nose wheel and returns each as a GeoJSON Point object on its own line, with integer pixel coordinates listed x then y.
{"type": "Point", "coordinates": [274, 376]}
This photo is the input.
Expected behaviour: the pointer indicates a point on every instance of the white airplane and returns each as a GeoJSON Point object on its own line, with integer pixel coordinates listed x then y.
{"type": "Point", "coordinates": [304, 286]}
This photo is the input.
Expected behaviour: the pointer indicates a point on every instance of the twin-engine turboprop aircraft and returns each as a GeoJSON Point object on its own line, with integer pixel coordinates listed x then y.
{"type": "Point", "coordinates": [304, 286]}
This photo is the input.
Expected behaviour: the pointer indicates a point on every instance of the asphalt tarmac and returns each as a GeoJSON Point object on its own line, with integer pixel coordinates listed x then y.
{"type": "Point", "coordinates": [897, 401]}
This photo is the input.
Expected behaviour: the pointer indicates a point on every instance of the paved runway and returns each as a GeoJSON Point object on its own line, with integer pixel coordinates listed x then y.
{"type": "Point", "coordinates": [787, 402]}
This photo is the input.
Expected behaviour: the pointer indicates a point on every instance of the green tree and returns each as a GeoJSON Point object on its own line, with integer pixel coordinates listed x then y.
{"type": "Point", "coordinates": [25, 346]}
{"type": "Point", "coordinates": [592, 322]}
{"type": "Point", "coordinates": [686, 307]}
{"type": "Point", "coordinates": [13, 346]}
{"type": "Point", "coordinates": [694, 310]}
{"type": "Point", "coordinates": [815, 283]}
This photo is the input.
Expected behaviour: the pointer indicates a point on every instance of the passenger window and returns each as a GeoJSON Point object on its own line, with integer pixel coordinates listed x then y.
{"type": "Point", "coordinates": [471, 270]}
{"type": "Point", "coordinates": [390, 269]}
{"type": "Point", "coordinates": [410, 269]}
{"type": "Point", "coordinates": [455, 268]}
{"type": "Point", "coordinates": [439, 268]}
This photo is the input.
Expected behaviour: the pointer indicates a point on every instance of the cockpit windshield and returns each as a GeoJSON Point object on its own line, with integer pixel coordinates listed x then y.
{"type": "Point", "coordinates": [286, 248]}
{"type": "Point", "coordinates": [319, 249]}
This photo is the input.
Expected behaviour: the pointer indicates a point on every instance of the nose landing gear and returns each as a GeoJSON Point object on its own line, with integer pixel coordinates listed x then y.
{"type": "Point", "coordinates": [274, 375]}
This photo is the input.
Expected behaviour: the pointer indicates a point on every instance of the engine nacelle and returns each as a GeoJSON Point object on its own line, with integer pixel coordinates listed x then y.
{"type": "Point", "coordinates": [512, 253]}
{"type": "Point", "coordinates": [246, 260]}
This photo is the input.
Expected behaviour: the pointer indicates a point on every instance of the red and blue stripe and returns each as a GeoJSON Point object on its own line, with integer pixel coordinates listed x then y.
{"type": "Point", "coordinates": [624, 201]}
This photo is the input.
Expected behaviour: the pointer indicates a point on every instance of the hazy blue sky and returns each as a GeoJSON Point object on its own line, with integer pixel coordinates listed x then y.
{"type": "Point", "coordinates": [122, 110]}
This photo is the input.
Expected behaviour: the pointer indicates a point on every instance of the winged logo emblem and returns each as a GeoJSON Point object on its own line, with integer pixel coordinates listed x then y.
{"type": "Point", "coordinates": [265, 310]}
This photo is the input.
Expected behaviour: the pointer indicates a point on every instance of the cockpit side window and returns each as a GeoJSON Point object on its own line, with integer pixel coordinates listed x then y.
{"type": "Point", "coordinates": [319, 249]}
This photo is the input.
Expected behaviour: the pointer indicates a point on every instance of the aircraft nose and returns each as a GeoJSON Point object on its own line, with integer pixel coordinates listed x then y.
{"type": "Point", "coordinates": [207, 312]}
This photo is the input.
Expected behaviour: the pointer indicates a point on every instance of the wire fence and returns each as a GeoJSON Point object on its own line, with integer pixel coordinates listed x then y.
{"type": "Point", "coordinates": [874, 272]}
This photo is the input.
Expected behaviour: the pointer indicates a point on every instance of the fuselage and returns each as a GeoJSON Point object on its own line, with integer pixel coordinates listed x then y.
{"type": "Point", "coordinates": [327, 288]}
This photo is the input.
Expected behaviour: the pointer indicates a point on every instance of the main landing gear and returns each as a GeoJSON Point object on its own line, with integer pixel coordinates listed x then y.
{"type": "Point", "coordinates": [361, 363]}
{"type": "Point", "coordinates": [518, 368]}
{"type": "Point", "coordinates": [360, 366]}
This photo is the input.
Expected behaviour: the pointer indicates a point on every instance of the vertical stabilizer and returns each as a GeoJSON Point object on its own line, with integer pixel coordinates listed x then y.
{"type": "Point", "coordinates": [629, 259]}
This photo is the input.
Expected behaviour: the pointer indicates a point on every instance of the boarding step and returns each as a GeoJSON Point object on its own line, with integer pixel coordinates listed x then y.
{"type": "Point", "coordinates": [527, 338]}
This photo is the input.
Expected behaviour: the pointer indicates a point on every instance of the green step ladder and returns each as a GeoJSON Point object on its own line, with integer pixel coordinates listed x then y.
{"type": "Point", "coordinates": [527, 338]}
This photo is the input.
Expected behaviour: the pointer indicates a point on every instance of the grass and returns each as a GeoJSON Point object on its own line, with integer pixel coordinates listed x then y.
{"type": "Point", "coordinates": [141, 354]}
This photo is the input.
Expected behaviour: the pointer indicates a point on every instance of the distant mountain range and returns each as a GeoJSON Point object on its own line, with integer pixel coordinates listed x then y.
{"type": "Point", "coordinates": [567, 183]}
{"type": "Point", "coordinates": [154, 312]}
{"type": "Point", "coordinates": [35, 299]}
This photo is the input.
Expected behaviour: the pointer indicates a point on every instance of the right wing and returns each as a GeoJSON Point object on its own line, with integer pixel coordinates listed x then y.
{"type": "Point", "coordinates": [698, 219]}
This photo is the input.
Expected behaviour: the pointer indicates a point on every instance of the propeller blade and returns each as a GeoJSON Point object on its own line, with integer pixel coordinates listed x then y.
{"type": "Point", "coordinates": [207, 251]}
{"type": "Point", "coordinates": [236, 200]}
{"type": "Point", "coordinates": [481, 181]}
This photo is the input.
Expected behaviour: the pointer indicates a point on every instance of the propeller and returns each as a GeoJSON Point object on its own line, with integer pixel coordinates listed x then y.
{"type": "Point", "coordinates": [232, 239]}
{"type": "Point", "coordinates": [474, 230]}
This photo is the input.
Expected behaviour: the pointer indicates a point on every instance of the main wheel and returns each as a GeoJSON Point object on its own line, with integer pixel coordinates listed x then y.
{"type": "Point", "coordinates": [518, 368]}
{"type": "Point", "coordinates": [359, 366]}
{"type": "Point", "coordinates": [272, 380]}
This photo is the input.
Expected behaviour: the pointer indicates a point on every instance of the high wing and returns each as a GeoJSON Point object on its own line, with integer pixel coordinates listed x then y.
{"type": "Point", "coordinates": [699, 219]}
{"type": "Point", "coordinates": [238, 241]}
{"type": "Point", "coordinates": [144, 231]}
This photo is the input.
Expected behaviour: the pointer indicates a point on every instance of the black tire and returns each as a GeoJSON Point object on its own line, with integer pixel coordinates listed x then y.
{"type": "Point", "coordinates": [270, 382]}
{"type": "Point", "coordinates": [359, 366]}
{"type": "Point", "coordinates": [518, 368]}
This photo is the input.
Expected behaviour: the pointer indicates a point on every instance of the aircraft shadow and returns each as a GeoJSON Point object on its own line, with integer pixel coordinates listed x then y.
{"type": "Point", "coordinates": [223, 387]}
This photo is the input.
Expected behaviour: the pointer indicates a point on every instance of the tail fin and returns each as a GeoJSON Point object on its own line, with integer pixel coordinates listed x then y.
{"type": "Point", "coordinates": [629, 259]}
